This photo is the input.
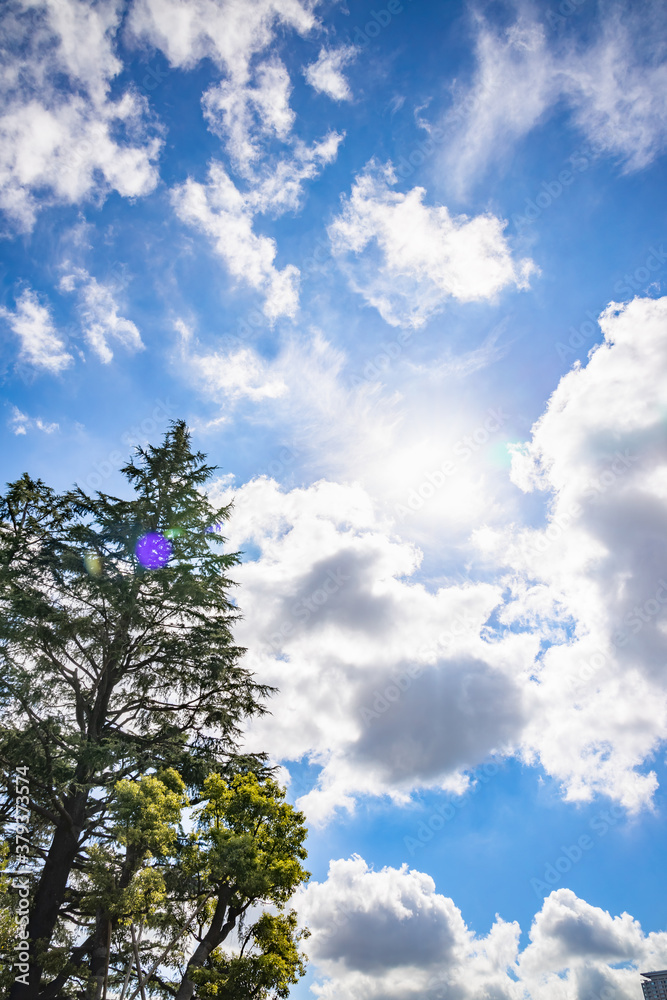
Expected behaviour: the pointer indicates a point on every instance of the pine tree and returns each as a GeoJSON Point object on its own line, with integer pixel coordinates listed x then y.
{"type": "Point", "coordinates": [118, 660]}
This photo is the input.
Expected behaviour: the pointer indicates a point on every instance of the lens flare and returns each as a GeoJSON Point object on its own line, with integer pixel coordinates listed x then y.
{"type": "Point", "coordinates": [93, 563]}
{"type": "Point", "coordinates": [153, 550]}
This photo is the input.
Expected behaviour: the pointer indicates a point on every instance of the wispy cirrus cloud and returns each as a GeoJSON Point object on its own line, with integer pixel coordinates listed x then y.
{"type": "Point", "coordinates": [98, 311]}
{"type": "Point", "coordinates": [614, 86]}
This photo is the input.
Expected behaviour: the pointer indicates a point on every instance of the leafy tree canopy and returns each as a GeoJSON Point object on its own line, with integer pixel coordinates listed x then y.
{"type": "Point", "coordinates": [122, 689]}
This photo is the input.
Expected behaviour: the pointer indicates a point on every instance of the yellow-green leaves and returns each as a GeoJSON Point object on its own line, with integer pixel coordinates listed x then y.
{"type": "Point", "coordinates": [120, 876]}
{"type": "Point", "coordinates": [251, 839]}
{"type": "Point", "coordinates": [268, 965]}
{"type": "Point", "coordinates": [148, 811]}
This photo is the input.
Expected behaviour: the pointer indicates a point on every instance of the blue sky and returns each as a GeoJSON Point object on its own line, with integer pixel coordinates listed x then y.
{"type": "Point", "coordinates": [402, 268]}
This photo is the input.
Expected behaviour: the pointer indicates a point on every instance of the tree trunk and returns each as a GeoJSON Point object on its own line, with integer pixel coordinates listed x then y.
{"type": "Point", "coordinates": [51, 891]}
{"type": "Point", "coordinates": [64, 848]}
{"type": "Point", "coordinates": [215, 935]}
{"type": "Point", "coordinates": [98, 956]}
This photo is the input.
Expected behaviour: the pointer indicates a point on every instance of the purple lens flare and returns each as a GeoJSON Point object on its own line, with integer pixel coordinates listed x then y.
{"type": "Point", "coordinates": [153, 550]}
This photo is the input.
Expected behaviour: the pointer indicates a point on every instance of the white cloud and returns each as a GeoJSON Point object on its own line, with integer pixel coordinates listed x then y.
{"type": "Point", "coordinates": [568, 930]}
{"type": "Point", "coordinates": [619, 90]}
{"type": "Point", "coordinates": [336, 594]}
{"type": "Point", "coordinates": [218, 209]}
{"type": "Point", "coordinates": [389, 935]}
{"type": "Point", "coordinates": [330, 617]}
{"type": "Point", "coordinates": [63, 146]}
{"type": "Point", "coordinates": [325, 75]}
{"type": "Point", "coordinates": [239, 374]}
{"type": "Point", "coordinates": [279, 186]}
{"type": "Point", "coordinates": [243, 115]}
{"type": "Point", "coordinates": [249, 109]}
{"type": "Point", "coordinates": [226, 214]}
{"type": "Point", "coordinates": [41, 345]}
{"type": "Point", "coordinates": [598, 566]}
{"type": "Point", "coordinates": [99, 315]}
{"type": "Point", "coordinates": [228, 32]}
{"type": "Point", "coordinates": [21, 423]}
{"type": "Point", "coordinates": [615, 87]}
{"type": "Point", "coordinates": [412, 257]}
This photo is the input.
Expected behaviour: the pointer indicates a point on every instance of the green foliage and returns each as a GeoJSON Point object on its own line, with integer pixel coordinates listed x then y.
{"type": "Point", "coordinates": [244, 851]}
{"type": "Point", "coordinates": [145, 811]}
{"type": "Point", "coordinates": [251, 839]}
{"type": "Point", "coordinates": [268, 965]}
{"type": "Point", "coordinates": [122, 689]}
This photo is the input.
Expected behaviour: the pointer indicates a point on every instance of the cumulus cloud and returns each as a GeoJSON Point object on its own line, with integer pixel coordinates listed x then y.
{"type": "Point", "coordinates": [598, 565]}
{"type": "Point", "coordinates": [228, 32]}
{"type": "Point", "coordinates": [244, 114]}
{"type": "Point", "coordinates": [330, 617]}
{"type": "Point", "coordinates": [568, 930]}
{"type": "Point", "coordinates": [74, 143]}
{"type": "Point", "coordinates": [389, 935]}
{"type": "Point", "coordinates": [250, 111]}
{"type": "Point", "coordinates": [614, 86]}
{"type": "Point", "coordinates": [380, 927]}
{"type": "Point", "coordinates": [326, 76]}
{"type": "Point", "coordinates": [335, 593]}
{"type": "Point", "coordinates": [98, 310]}
{"type": "Point", "coordinates": [41, 345]}
{"type": "Point", "coordinates": [410, 258]}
